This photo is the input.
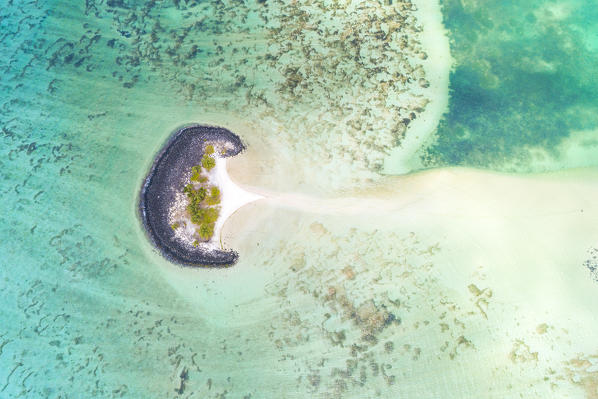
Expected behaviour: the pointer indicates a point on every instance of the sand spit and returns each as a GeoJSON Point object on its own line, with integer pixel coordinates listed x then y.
{"type": "Point", "coordinates": [420, 133]}
{"type": "Point", "coordinates": [233, 196]}
{"type": "Point", "coordinates": [161, 195]}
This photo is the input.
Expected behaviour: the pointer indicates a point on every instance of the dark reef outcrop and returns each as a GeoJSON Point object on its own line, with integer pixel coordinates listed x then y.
{"type": "Point", "coordinates": [183, 150]}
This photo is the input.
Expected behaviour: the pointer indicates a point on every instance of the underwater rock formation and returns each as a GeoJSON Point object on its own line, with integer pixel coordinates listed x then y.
{"type": "Point", "coordinates": [165, 180]}
{"type": "Point", "coordinates": [592, 263]}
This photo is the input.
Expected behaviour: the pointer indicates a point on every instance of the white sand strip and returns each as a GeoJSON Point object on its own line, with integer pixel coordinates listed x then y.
{"type": "Point", "coordinates": [232, 196]}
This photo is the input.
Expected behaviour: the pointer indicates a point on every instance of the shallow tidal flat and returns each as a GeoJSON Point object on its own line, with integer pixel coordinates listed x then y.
{"type": "Point", "coordinates": [446, 276]}
{"type": "Point", "coordinates": [446, 283]}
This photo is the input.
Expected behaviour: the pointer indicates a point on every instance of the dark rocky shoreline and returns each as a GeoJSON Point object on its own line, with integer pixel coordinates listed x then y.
{"type": "Point", "coordinates": [165, 179]}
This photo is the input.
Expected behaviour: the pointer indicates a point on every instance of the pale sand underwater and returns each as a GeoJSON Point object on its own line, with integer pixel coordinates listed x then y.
{"type": "Point", "coordinates": [446, 283]}
{"type": "Point", "coordinates": [406, 157]}
{"type": "Point", "coordinates": [499, 292]}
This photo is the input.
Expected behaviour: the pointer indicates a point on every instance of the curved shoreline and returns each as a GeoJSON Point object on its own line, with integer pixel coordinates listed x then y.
{"type": "Point", "coordinates": [406, 157]}
{"type": "Point", "coordinates": [164, 180]}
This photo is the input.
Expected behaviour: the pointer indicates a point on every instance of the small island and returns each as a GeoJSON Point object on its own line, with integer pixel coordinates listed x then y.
{"type": "Point", "coordinates": [187, 196]}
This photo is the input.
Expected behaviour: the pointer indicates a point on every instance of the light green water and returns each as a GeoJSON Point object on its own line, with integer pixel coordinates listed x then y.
{"type": "Point", "coordinates": [350, 284]}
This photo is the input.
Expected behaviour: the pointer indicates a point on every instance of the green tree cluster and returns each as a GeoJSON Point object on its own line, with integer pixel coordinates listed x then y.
{"type": "Point", "coordinates": [214, 197]}
{"type": "Point", "coordinates": [195, 196]}
{"type": "Point", "coordinates": [208, 162]}
{"type": "Point", "coordinates": [196, 173]}
{"type": "Point", "coordinates": [206, 231]}
{"type": "Point", "coordinates": [202, 214]}
{"type": "Point", "coordinates": [203, 201]}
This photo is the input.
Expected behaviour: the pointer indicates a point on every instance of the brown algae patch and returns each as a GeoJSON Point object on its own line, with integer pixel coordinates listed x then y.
{"type": "Point", "coordinates": [583, 371]}
{"type": "Point", "coordinates": [348, 78]}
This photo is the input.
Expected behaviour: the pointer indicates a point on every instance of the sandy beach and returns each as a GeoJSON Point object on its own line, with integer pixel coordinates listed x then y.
{"type": "Point", "coordinates": [507, 217]}
{"type": "Point", "coordinates": [233, 197]}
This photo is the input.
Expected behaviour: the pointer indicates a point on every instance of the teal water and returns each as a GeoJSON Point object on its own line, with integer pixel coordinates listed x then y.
{"type": "Point", "coordinates": [523, 85]}
{"type": "Point", "coordinates": [323, 304]}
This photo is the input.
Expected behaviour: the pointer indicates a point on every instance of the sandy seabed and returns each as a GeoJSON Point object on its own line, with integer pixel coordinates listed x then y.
{"type": "Point", "coordinates": [504, 292]}
{"type": "Point", "coordinates": [487, 270]}
{"type": "Point", "coordinates": [444, 284]}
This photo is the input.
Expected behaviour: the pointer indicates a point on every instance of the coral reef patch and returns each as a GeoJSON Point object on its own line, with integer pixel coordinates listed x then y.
{"type": "Point", "coordinates": [592, 263]}
{"type": "Point", "coordinates": [169, 172]}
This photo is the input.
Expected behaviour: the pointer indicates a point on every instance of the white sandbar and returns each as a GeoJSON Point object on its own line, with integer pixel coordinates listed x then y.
{"type": "Point", "coordinates": [232, 197]}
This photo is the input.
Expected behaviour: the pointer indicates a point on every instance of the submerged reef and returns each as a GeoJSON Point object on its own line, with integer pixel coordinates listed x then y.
{"type": "Point", "coordinates": [162, 195]}
{"type": "Point", "coordinates": [592, 263]}
{"type": "Point", "coordinates": [519, 89]}
{"type": "Point", "coordinates": [350, 76]}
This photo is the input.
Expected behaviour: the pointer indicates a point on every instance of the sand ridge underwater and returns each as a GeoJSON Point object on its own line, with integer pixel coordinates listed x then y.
{"type": "Point", "coordinates": [442, 283]}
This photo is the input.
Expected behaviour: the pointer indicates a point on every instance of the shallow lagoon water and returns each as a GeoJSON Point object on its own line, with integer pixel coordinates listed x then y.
{"type": "Point", "coordinates": [444, 283]}
{"type": "Point", "coordinates": [523, 90]}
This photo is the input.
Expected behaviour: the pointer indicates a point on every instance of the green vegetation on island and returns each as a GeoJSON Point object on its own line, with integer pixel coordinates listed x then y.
{"type": "Point", "coordinates": [208, 162]}
{"type": "Point", "coordinates": [203, 198]}
{"type": "Point", "coordinates": [214, 198]}
{"type": "Point", "coordinates": [206, 231]}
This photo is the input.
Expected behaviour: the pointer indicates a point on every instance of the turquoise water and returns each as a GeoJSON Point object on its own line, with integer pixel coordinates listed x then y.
{"type": "Point", "coordinates": [349, 298]}
{"type": "Point", "coordinates": [523, 83]}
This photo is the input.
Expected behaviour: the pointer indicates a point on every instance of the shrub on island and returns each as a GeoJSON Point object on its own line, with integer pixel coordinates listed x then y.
{"type": "Point", "coordinates": [201, 216]}
{"type": "Point", "coordinates": [195, 196]}
{"type": "Point", "coordinates": [206, 231]}
{"type": "Point", "coordinates": [202, 201]}
{"type": "Point", "coordinates": [208, 162]}
{"type": "Point", "coordinates": [196, 173]}
{"type": "Point", "coordinates": [214, 198]}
